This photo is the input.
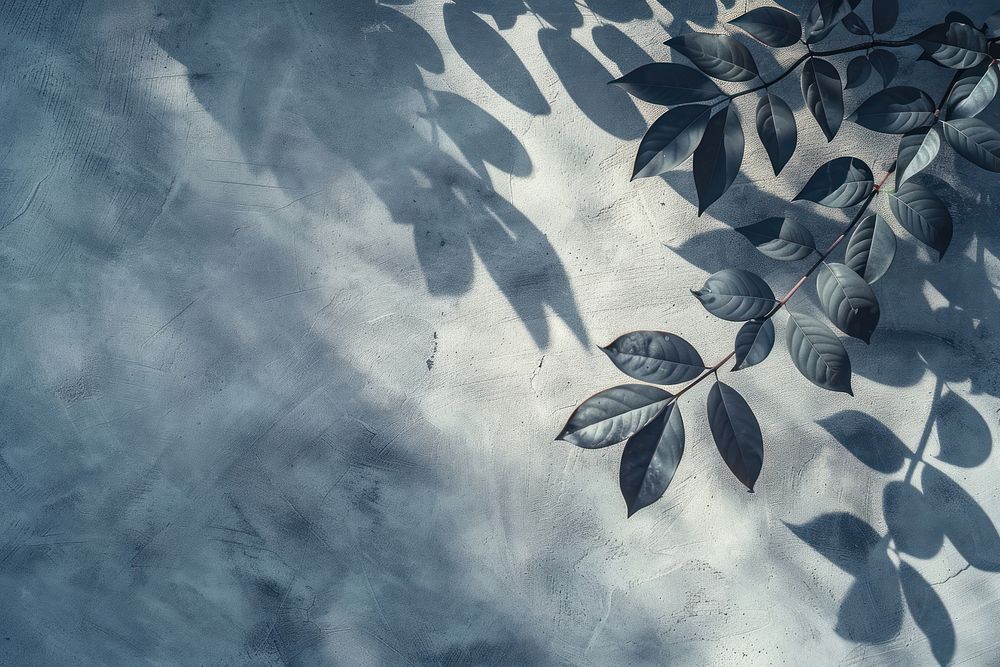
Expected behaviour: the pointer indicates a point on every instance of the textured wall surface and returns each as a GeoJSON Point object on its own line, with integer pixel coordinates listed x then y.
{"type": "Point", "coordinates": [296, 295]}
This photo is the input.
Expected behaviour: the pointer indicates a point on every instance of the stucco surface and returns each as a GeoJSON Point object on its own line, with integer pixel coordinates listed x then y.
{"type": "Point", "coordinates": [297, 294]}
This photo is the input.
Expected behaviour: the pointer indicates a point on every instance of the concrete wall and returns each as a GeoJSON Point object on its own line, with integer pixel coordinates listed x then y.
{"type": "Point", "coordinates": [297, 294]}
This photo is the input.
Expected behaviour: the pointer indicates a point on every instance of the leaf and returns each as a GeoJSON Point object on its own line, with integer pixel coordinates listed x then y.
{"type": "Point", "coordinates": [964, 521]}
{"type": "Point", "coordinates": [871, 248]}
{"type": "Point", "coordinates": [841, 538]}
{"type": "Point", "coordinates": [856, 25]}
{"type": "Point", "coordinates": [958, 17]}
{"type": "Point", "coordinates": [973, 92]}
{"type": "Point", "coordinates": [753, 343]}
{"type": "Point", "coordinates": [770, 25]}
{"type": "Point", "coordinates": [912, 523]}
{"type": "Point", "coordinates": [779, 238]}
{"type": "Point", "coordinates": [954, 45]}
{"type": "Point", "coordinates": [842, 182]}
{"type": "Point", "coordinates": [655, 356]}
{"type": "Point", "coordinates": [822, 92]}
{"type": "Point", "coordinates": [736, 433]}
{"type": "Point", "coordinates": [671, 139]}
{"type": "Point", "coordinates": [719, 56]}
{"type": "Point", "coordinates": [777, 130]}
{"type": "Point", "coordinates": [835, 11]}
{"type": "Point", "coordinates": [848, 301]}
{"type": "Point", "coordinates": [963, 435]}
{"type": "Point", "coordinates": [859, 70]}
{"type": "Point", "coordinates": [718, 157]}
{"type": "Point", "coordinates": [818, 353]}
{"type": "Point", "coordinates": [895, 110]}
{"type": "Point", "coordinates": [885, 63]}
{"type": "Point", "coordinates": [929, 613]}
{"type": "Point", "coordinates": [872, 609]}
{"type": "Point", "coordinates": [868, 439]}
{"type": "Point", "coordinates": [917, 149]}
{"type": "Point", "coordinates": [736, 295]}
{"type": "Point", "coordinates": [668, 84]}
{"type": "Point", "coordinates": [974, 140]}
{"type": "Point", "coordinates": [993, 26]}
{"type": "Point", "coordinates": [610, 416]}
{"type": "Point", "coordinates": [650, 459]}
{"type": "Point", "coordinates": [923, 215]}
{"type": "Point", "coordinates": [816, 28]}
{"type": "Point", "coordinates": [884, 15]}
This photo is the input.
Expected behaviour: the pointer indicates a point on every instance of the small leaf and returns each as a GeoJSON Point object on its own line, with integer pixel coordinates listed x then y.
{"type": "Point", "coordinates": [736, 295]}
{"type": "Point", "coordinates": [822, 92]}
{"type": "Point", "coordinates": [895, 110]}
{"type": "Point", "coordinates": [974, 140]}
{"type": "Point", "coordinates": [954, 45]}
{"type": "Point", "coordinates": [856, 25]}
{"type": "Point", "coordinates": [718, 157]}
{"type": "Point", "coordinates": [613, 415]}
{"type": "Point", "coordinates": [777, 130]}
{"type": "Point", "coordinates": [671, 139]}
{"type": "Point", "coordinates": [818, 353]}
{"type": "Point", "coordinates": [848, 301]}
{"type": "Point", "coordinates": [655, 356]}
{"type": "Point", "coordinates": [884, 15]}
{"type": "Point", "coordinates": [770, 25]}
{"type": "Point", "coordinates": [753, 343]}
{"type": "Point", "coordinates": [736, 433]}
{"type": "Point", "coordinates": [885, 63]}
{"type": "Point", "coordinates": [842, 182]}
{"type": "Point", "coordinates": [917, 149]}
{"type": "Point", "coordinates": [923, 215]}
{"type": "Point", "coordinates": [650, 459]}
{"type": "Point", "coordinates": [719, 56]}
{"type": "Point", "coordinates": [669, 84]}
{"type": "Point", "coordinates": [859, 70]}
{"type": "Point", "coordinates": [871, 248]}
{"type": "Point", "coordinates": [973, 92]}
{"type": "Point", "coordinates": [779, 238]}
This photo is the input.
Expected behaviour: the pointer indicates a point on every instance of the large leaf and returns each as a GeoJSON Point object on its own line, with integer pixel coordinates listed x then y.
{"type": "Point", "coordinates": [650, 459]}
{"type": "Point", "coordinates": [736, 295]}
{"type": "Point", "coordinates": [974, 140]}
{"type": "Point", "coordinates": [823, 95]}
{"type": "Point", "coordinates": [871, 248]}
{"type": "Point", "coordinates": [923, 215]}
{"type": "Point", "coordinates": [771, 25]}
{"type": "Point", "coordinates": [655, 356]}
{"type": "Point", "coordinates": [718, 157]}
{"type": "Point", "coordinates": [895, 110]}
{"type": "Point", "coordinates": [668, 84]}
{"type": "Point", "coordinates": [671, 139]}
{"type": "Point", "coordinates": [776, 127]}
{"type": "Point", "coordinates": [917, 149]}
{"type": "Point", "coordinates": [779, 238]}
{"type": "Point", "coordinates": [753, 343]}
{"type": "Point", "coordinates": [859, 70]}
{"type": "Point", "coordinates": [884, 15]}
{"type": "Point", "coordinates": [818, 353]}
{"type": "Point", "coordinates": [842, 182]}
{"type": "Point", "coordinates": [954, 45]}
{"type": "Point", "coordinates": [973, 92]}
{"type": "Point", "coordinates": [885, 63]}
{"type": "Point", "coordinates": [736, 433]}
{"type": "Point", "coordinates": [848, 300]}
{"type": "Point", "coordinates": [608, 417]}
{"type": "Point", "coordinates": [719, 56]}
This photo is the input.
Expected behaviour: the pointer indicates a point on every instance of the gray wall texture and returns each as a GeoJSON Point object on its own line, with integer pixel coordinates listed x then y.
{"type": "Point", "coordinates": [297, 294]}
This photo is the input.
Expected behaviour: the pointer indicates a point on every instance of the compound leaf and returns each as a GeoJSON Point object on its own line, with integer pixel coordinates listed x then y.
{"type": "Point", "coordinates": [871, 248]}
{"type": "Point", "coordinates": [655, 356]}
{"type": "Point", "coordinates": [650, 459]}
{"type": "Point", "coordinates": [753, 343]}
{"type": "Point", "coordinates": [671, 139]}
{"type": "Point", "coordinates": [777, 130]}
{"type": "Point", "coordinates": [668, 84]}
{"type": "Point", "coordinates": [779, 238]}
{"type": "Point", "coordinates": [718, 157]}
{"type": "Point", "coordinates": [895, 110]}
{"type": "Point", "coordinates": [610, 416]}
{"type": "Point", "coordinates": [848, 300]}
{"type": "Point", "coordinates": [719, 56]}
{"type": "Point", "coordinates": [923, 215]}
{"type": "Point", "coordinates": [818, 353]}
{"type": "Point", "coordinates": [736, 433]}
{"type": "Point", "coordinates": [770, 25]}
{"type": "Point", "coordinates": [842, 182]}
{"type": "Point", "coordinates": [736, 295]}
{"type": "Point", "coordinates": [823, 95]}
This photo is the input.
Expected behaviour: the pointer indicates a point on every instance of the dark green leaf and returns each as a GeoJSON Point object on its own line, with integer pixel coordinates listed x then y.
{"type": "Point", "coordinates": [954, 45]}
{"type": "Point", "coordinates": [923, 215]}
{"type": "Point", "coordinates": [858, 71]}
{"type": "Point", "coordinates": [669, 84]}
{"type": "Point", "coordinates": [671, 139]}
{"type": "Point", "coordinates": [895, 110]}
{"type": "Point", "coordinates": [613, 415]}
{"type": "Point", "coordinates": [777, 130]}
{"type": "Point", "coordinates": [973, 92]}
{"type": "Point", "coordinates": [719, 56]}
{"type": "Point", "coordinates": [884, 15]}
{"type": "Point", "coordinates": [871, 248]}
{"type": "Point", "coordinates": [818, 353]}
{"type": "Point", "coordinates": [753, 343]}
{"type": "Point", "coordinates": [974, 140]}
{"type": "Point", "coordinates": [917, 149]}
{"type": "Point", "coordinates": [736, 295]}
{"type": "Point", "coordinates": [736, 433]}
{"type": "Point", "coordinates": [650, 459]}
{"type": "Point", "coordinates": [885, 63]}
{"type": "Point", "coordinates": [839, 183]}
{"type": "Point", "coordinates": [929, 613]}
{"type": "Point", "coordinates": [655, 356]}
{"type": "Point", "coordinates": [823, 95]}
{"type": "Point", "coordinates": [779, 238]}
{"type": "Point", "coordinates": [848, 301]}
{"type": "Point", "coordinates": [856, 25]}
{"type": "Point", "coordinates": [718, 157]}
{"type": "Point", "coordinates": [771, 26]}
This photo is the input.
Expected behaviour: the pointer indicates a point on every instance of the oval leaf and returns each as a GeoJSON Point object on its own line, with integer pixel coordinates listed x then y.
{"type": "Point", "coordinates": [608, 417]}
{"type": "Point", "coordinates": [923, 215]}
{"type": "Point", "coordinates": [823, 95]}
{"type": "Point", "coordinates": [929, 613]}
{"type": "Point", "coordinates": [650, 459]}
{"type": "Point", "coordinates": [954, 45]}
{"type": "Point", "coordinates": [917, 149]}
{"type": "Point", "coordinates": [736, 433]}
{"type": "Point", "coordinates": [885, 63]}
{"type": "Point", "coordinates": [884, 15]}
{"type": "Point", "coordinates": [753, 343]}
{"type": "Point", "coordinates": [974, 140]}
{"type": "Point", "coordinates": [856, 25]}
{"type": "Point", "coordinates": [839, 183]}
{"type": "Point", "coordinates": [771, 26]}
{"type": "Point", "coordinates": [718, 56]}
{"type": "Point", "coordinates": [973, 92]}
{"type": "Point", "coordinates": [655, 356]}
{"type": "Point", "coordinates": [718, 157]}
{"type": "Point", "coordinates": [671, 139]}
{"type": "Point", "coordinates": [776, 127]}
{"type": "Point", "coordinates": [779, 238]}
{"type": "Point", "coordinates": [895, 110]}
{"type": "Point", "coordinates": [859, 70]}
{"type": "Point", "coordinates": [668, 84]}
{"type": "Point", "coordinates": [871, 248]}
{"type": "Point", "coordinates": [848, 301]}
{"type": "Point", "coordinates": [736, 295]}
{"type": "Point", "coordinates": [818, 353]}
